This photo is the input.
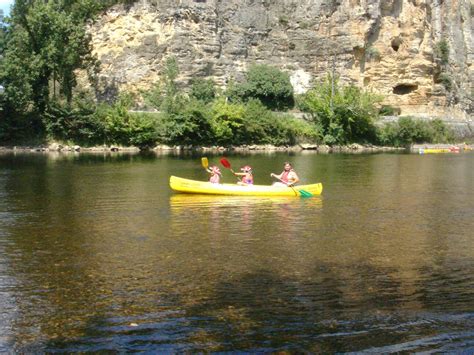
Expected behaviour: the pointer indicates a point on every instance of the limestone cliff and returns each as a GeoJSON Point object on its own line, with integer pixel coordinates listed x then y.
{"type": "Point", "coordinates": [387, 46]}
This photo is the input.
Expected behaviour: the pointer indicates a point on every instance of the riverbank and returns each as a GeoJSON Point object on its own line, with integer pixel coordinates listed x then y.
{"type": "Point", "coordinates": [350, 148]}
{"type": "Point", "coordinates": [59, 148]}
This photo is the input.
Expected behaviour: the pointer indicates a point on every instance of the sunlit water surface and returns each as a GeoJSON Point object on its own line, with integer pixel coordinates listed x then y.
{"type": "Point", "coordinates": [97, 254]}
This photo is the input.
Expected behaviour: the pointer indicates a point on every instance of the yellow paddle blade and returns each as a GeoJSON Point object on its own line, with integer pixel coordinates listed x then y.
{"type": "Point", "coordinates": [204, 162]}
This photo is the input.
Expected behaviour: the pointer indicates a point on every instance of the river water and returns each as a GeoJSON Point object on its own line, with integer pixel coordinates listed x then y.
{"type": "Point", "coordinates": [98, 254]}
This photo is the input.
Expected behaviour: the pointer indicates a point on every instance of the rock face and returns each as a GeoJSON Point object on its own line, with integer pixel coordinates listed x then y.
{"type": "Point", "coordinates": [387, 46]}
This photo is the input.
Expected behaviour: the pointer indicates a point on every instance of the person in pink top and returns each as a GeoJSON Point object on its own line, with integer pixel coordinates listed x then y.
{"type": "Point", "coordinates": [287, 177]}
{"type": "Point", "coordinates": [247, 176]}
{"type": "Point", "coordinates": [215, 174]}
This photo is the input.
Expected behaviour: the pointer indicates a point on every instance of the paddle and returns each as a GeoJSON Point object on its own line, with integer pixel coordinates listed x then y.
{"type": "Point", "coordinates": [204, 162]}
{"type": "Point", "coordinates": [226, 164]}
{"type": "Point", "coordinates": [303, 193]}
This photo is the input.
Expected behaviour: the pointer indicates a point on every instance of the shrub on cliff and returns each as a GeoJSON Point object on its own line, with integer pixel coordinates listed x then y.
{"type": "Point", "coordinates": [124, 127]}
{"type": "Point", "coordinates": [203, 90]}
{"type": "Point", "coordinates": [267, 84]}
{"type": "Point", "coordinates": [188, 124]}
{"type": "Point", "coordinates": [253, 123]}
{"type": "Point", "coordinates": [441, 51]}
{"type": "Point", "coordinates": [261, 126]}
{"type": "Point", "coordinates": [343, 114]}
{"type": "Point", "coordinates": [227, 120]}
{"type": "Point", "coordinates": [77, 124]}
{"type": "Point", "coordinates": [408, 131]}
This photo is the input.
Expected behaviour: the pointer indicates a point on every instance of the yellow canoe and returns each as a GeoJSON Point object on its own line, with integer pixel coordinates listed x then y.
{"type": "Point", "coordinates": [438, 150]}
{"type": "Point", "coordinates": [205, 187]}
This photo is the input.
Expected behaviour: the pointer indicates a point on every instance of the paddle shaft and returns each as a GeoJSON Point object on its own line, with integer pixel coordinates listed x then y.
{"type": "Point", "coordinates": [287, 184]}
{"type": "Point", "coordinates": [301, 192]}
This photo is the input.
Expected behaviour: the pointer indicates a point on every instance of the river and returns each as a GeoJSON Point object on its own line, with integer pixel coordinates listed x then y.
{"type": "Point", "coordinates": [98, 254]}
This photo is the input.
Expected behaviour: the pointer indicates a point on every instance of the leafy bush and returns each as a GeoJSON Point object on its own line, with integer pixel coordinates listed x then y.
{"type": "Point", "coordinates": [441, 133]}
{"type": "Point", "coordinates": [256, 117]}
{"type": "Point", "coordinates": [106, 124]}
{"type": "Point", "coordinates": [387, 110]}
{"type": "Point", "coordinates": [154, 97]}
{"type": "Point", "coordinates": [270, 85]}
{"type": "Point", "coordinates": [441, 51]}
{"type": "Point", "coordinates": [226, 120]}
{"type": "Point", "coordinates": [203, 90]}
{"type": "Point", "coordinates": [165, 97]}
{"type": "Point", "coordinates": [143, 129]}
{"type": "Point", "coordinates": [77, 124]}
{"type": "Point", "coordinates": [409, 131]}
{"type": "Point", "coordinates": [445, 80]}
{"type": "Point", "coordinates": [344, 114]}
{"type": "Point", "coordinates": [189, 125]}
{"type": "Point", "coordinates": [20, 128]}
{"type": "Point", "coordinates": [288, 130]}
{"type": "Point", "coordinates": [126, 128]}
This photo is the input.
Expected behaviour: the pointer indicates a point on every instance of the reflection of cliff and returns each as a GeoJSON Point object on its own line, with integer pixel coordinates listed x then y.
{"type": "Point", "coordinates": [384, 46]}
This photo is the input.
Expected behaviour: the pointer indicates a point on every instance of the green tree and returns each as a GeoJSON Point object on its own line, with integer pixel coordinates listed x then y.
{"type": "Point", "coordinates": [344, 113]}
{"type": "Point", "coordinates": [227, 119]}
{"type": "Point", "coordinates": [165, 96]}
{"type": "Point", "coordinates": [203, 90]}
{"type": "Point", "coordinates": [120, 126]}
{"type": "Point", "coordinates": [46, 44]}
{"type": "Point", "coordinates": [408, 130]}
{"type": "Point", "coordinates": [268, 84]}
{"type": "Point", "coordinates": [190, 125]}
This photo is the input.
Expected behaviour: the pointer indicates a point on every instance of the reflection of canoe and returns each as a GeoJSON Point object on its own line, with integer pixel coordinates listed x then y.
{"type": "Point", "coordinates": [196, 200]}
{"type": "Point", "coordinates": [188, 202]}
{"type": "Point", "coordinates": [205, 187]}
{"type": "Point", "coordinates": [439, 150]}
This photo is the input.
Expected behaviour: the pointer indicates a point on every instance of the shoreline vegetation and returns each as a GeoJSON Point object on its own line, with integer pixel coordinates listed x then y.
{"type": "Point", "coordinates": [163, 149]}
{"type": "Point", "coordinates": [42, 102]}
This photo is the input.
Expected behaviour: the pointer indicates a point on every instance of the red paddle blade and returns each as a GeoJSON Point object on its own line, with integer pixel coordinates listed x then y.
{"type": "Point", "coordinates": [225, 163]}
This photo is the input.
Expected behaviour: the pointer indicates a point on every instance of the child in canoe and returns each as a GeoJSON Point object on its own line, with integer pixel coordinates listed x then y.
{"type": "Point", "coordinates": [247, 176]}
{"type": "Point", "coordinates": [215, 174]}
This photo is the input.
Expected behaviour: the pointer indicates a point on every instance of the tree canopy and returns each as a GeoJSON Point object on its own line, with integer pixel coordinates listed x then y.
{"type": "Point", "coordinates": [266, 83]}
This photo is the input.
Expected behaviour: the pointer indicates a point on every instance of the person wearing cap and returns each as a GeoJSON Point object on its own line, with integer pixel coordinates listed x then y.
{"type": "Point", "coordinates": [215, 174]}
{"type": "Point", "coordinates": [287, 177]}
{"type": "Point", "coordinates": [247, 176]}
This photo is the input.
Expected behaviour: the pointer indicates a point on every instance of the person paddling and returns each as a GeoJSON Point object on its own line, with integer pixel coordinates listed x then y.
{"type": "Point", "coordinates": [287, 177]}
{"type": "Point", "coordinates": [247, 176]}
{"type": "Point", "coordinates": [215, 174]}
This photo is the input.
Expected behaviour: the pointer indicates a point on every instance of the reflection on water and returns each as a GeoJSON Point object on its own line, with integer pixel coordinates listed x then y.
{"type": "Point", "coordinates": [97, 254]}
{"type": "Point", "coordinates": [285, 205]}
{"type": "Point", "coordinates": [248, 216]}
